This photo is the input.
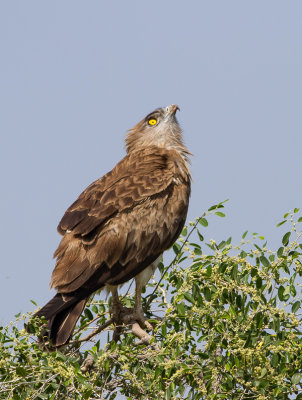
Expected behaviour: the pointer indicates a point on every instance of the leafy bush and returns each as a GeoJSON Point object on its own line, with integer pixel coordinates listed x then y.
{"type": "Point", "coordinates": [227, 325]}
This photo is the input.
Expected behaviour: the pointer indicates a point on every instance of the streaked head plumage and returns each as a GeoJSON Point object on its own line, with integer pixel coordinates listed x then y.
{"type": "Point", "coordinates": [159, 128]}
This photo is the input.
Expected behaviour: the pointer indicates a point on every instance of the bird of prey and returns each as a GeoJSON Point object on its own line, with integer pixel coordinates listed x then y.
{"type": "Point", "coordinates": [118, 228]}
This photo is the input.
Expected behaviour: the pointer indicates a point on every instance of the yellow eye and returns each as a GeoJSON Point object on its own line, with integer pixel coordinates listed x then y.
{"type": "Point", "coordinates": [152, 121]}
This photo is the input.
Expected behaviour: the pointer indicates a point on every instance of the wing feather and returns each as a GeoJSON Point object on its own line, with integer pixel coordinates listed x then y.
{"type": "Point", "coordinates": [122, 222]}
{"type": "Point", "coordinates": [135, 177]}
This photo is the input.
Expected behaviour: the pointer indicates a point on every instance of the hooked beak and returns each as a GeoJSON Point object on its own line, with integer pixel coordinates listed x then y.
{"type": "Point", "coordinates": [172, 109]}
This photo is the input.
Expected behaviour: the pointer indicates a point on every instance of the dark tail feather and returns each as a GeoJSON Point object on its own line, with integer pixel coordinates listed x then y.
{"type": "Point", "coordinates": [64, 322]}
{"type": "Point", "coordinates": [62, 314]}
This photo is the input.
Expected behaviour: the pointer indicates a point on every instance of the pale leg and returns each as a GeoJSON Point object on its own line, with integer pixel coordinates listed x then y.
{"type": "Point", "coordinates": [141, 280]}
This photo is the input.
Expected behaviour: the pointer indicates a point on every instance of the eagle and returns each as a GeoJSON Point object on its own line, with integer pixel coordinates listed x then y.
{"type": "Point", "coordinates": [120, 225]}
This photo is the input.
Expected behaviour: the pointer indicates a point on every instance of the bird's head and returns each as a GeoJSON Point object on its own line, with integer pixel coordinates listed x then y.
{"type": "Point", "coordinates": [160, 119]}
{"type": "Point", "coordinates": [159, 128]}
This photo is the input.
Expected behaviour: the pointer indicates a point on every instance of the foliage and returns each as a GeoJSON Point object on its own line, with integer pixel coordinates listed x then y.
{"type": "Point", "coordinates": [229, 328]}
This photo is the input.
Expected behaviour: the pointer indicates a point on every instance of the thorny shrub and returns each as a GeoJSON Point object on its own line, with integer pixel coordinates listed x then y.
{"type": "Point", "coordinates": [227, 324]}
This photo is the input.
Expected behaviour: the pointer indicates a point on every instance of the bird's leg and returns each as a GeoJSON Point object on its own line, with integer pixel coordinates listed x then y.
{"type": "Point", "coordinates": [116, 310]}
{"type": "Point", "coordinates": [127, 315]}
{"type": "Point", "coordinates": [116, 307]}
{"type": "Point", "coordinates": [122, 315]}
{"type": "Point", "coordinates": [141, 280]}
{"type": "Point", "coordinates": [138, 312]}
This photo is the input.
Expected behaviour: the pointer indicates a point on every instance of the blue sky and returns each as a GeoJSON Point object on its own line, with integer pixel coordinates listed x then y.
{"type": "Point", "coordinates": [76, 75]}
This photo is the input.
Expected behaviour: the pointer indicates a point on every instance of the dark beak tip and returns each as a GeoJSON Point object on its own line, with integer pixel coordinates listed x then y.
{"type": "Point", "coordinates": [175, 108]}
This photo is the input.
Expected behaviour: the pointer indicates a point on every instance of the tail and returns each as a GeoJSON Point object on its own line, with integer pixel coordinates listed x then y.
{"type": "Point", "coordinates": [62, 313]}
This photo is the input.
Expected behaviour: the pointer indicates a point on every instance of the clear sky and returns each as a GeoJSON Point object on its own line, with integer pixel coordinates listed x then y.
{"type": "Point", "coordinates": [76, 75]}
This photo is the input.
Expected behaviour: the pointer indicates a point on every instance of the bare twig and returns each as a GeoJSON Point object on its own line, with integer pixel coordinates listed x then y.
{"type": "Point", "coordinates": [92, 334]}
{"type": "Point", "coordinates": [90, 322]}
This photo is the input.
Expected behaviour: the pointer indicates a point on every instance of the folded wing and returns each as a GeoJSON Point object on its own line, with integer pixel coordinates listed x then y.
{"type": "Point", "coordinates": [123, 221]}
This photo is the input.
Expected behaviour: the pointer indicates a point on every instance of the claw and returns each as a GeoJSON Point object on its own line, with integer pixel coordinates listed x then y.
{"type": "Point", "coordinates": [138, 315]}
{"type": "Point", "coordinates": [125, 315]}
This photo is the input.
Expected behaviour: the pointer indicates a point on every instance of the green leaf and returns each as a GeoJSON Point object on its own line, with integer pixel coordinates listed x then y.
{"type": "Point", "coordinates": [209, 271]}
{"type": "Point", "coordinates": [300, 219]}
{"type": "Point", "coordinates": [259, 283]}
{"type": "Point", "coordinates": [94, 309]}
{"type": "Point", "coordinates": [281, 291]}
{"type": "Point", "coordinates": [296, 306]}
{"type": "Point", "coordinates": [234, 272]}
{"type": "Point", "coordinates": [276, 324]}
{"type": "Point", "coordinates": [87, 394]}
{"type": "Point", "coordinates": [176, 248]}
{"type": "Point", "coordinates": [296, 378]}
{"type": "Point", "coordinates": [164, 330]}
{"type": "Point", "coordinates": [265, 261]}
{"type": "Point", "coordinates": [168, 393]}
{"type": "Point", "coordinates": [220, 214]}
{"type": "Point", "coordinates": [244, 235]}
{"type": "Point", "coordinates": [222, 267]}
{"type": "Point", "coordinates": [184, 231]}
{"type": "Point", "coordinates": [294, 254]}
{"type": "Point", "coordinates": [181, 310]}
{"type": "Point", "coordinates": [207, 293]}
{"type": "Point", "coordinates": [21, 371]}
{"type": "Point", "coordinates": [216, 206]}
{"type": "Point", "coordinates": [232, 311]}
{"type": "Point", "coordinates": [296, 210]}
{"type": "Point", "coordinates": [220, 328]}
{"type": "Point", "coordinates": [221, 245]}
{"type": "Point", "coordinates": [292, 290]}
{"type": "Point", "coordinates": [189, 297]}
{"type": "Point", "coordinates": [275, 360]}
{"type": "Point", "coordinates": [203, 222]}
{"type": "Point", "coordinates": [280, 251]}
{"type": "Point", "coordinates": [281, 223]}
{"type": "Point", "coordinates": [161, 267]}
{"type": "Point", "coordinates": [285, 238]}
{"type": "Point", "coordinates": [257, 247]}
{"type": "Point", "coordinates": [201, 238]}
{"type": "Point", "coordinates": [197, 251]}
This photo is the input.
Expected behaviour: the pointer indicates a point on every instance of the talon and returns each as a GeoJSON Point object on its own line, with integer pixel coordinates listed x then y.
{"type": "Point", "coordinates": [149, 327]}
{"type": "Point", "coordinates": [138, 315]}
{"type": "Point", "coordinates": [123, 315]}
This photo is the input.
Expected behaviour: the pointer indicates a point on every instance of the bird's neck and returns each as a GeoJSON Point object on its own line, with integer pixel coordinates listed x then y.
{"type": "Point", "coordinates": [168, 141]}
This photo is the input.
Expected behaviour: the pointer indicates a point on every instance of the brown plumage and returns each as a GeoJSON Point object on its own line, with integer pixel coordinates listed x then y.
{"type": "Point", "coordinates": [121, 224]}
